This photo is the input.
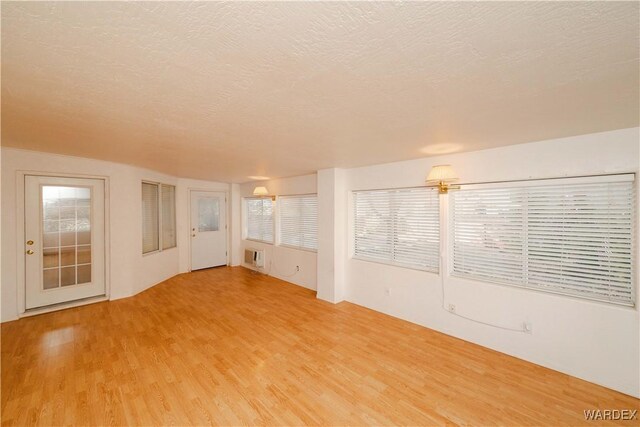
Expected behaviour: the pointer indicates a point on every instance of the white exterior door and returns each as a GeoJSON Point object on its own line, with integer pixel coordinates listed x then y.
{"type": "Point", "coordinates": [64, 244]}
{"type": "Point", "coordinates": [208, 229]}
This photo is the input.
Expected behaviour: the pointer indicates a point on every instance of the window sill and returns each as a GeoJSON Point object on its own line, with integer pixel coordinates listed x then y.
{"type": "Point", "coordinates": [575, 297]}
{"type": "Point", "coordinates": [259, 241]}
{"type": "Point", "coordinates": [392, 264]}
{"type": "Point", "coordinates": [157, 251]}
{"type": "Point", "coordinates": [298, 248]}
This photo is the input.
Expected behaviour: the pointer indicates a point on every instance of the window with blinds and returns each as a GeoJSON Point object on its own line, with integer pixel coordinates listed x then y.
{"type": "Point", "coordinates": [158, 217]}
{"type": "Point", "coordinates": [399, 227]}
{"type": "Point", "coordinates": [571, 236]}
{"type": "Point", "coordinates": [168, 214]}
{"type": "Point", "coordinates": [299, 221]}
{"type": "Point", "coordinates": [259, 217]}
{"type": "Point", "coordinates": [150, 236]}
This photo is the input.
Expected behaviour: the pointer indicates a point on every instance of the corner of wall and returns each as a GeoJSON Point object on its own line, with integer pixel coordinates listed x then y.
{"type": "Point", "coordinates": [332, 234]}
{"type": "Point", "coordinates": [236, 225]}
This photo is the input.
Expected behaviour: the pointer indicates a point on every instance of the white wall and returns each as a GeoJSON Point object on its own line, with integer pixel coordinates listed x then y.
{"type": "Point", "coordinates": [281, 261]}
{"type": "Point", "coordinates": [130, 272]}
{"type": "Point", "coordinates": [595, 341]}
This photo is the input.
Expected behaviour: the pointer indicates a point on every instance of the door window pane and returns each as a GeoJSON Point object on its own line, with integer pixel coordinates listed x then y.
{"type": "Point", "coordinates": [68, 276]}
{"type": "Point", "coordinates": [51, 212]}
{"type": "Point", "coordinates": [68, 256]}
{"type": "Point", "coordinates": [208, 214]}
{"type": "Point", "coordinates": [67, 232]}
{"type": "Point", "coordinates": [84, 254]}
{"type": "Point", "coordinates": [68, 212]}
{"type": "Point", "coordinates": [84, 273]}
{"type": "Point", "coordinates": [50, 258]}
{"type": "Point", "coordinates": [50, 278]}
{"type": "Point", "coordinates": [66, 222]}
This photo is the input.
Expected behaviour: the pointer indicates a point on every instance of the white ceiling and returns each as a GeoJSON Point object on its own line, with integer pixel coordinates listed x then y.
{"type": "Point", "coordinates": [221, 91]}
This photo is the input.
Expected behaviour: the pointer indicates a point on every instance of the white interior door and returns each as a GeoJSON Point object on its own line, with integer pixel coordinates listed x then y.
{"type": "Point", "coordinates": [208, 229]}
{"type": "Point", "coordinates": [64, 244]}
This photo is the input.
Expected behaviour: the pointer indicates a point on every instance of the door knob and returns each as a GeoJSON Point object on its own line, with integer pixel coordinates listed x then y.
{"type": "Point", "coordinates": [29, 242]}
{"type": "Point", "coordinates": [29, 252]}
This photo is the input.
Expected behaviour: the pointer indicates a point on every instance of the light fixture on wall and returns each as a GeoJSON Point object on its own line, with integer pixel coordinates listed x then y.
{"type": "Point", "coordinates": [441, 176]}
{"type": "Point", "coordinates": [260, 191]}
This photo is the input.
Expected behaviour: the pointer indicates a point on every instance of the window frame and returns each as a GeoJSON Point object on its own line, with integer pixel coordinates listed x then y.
{"type": "Point", "coordinates": [245, 214]}
{"type": "Point", "coordinates": [437, 270]}
{"type": "Point", "coordinates": [159, 186]}
{"type": "Point", "coordinates": [278, 220]}
{"type": "Point", "coordinates": [580, 180]}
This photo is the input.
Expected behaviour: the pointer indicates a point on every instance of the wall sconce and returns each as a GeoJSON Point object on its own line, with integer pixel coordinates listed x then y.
{"type": "Point", "coordinates": [260, 191]}
{"type": "Point", "coordinates": [440, 176]}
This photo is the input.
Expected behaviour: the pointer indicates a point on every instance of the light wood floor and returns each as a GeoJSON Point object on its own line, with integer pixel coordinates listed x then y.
{"type": "Point", "coordinates": [228, 347]}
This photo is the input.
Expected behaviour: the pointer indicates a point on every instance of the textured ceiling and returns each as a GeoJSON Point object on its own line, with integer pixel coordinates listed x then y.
{"type": "Point", "coordinates": [222, 91]}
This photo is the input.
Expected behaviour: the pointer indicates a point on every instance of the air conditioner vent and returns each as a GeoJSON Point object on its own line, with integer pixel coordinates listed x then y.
{"type": "Point", "coordinates": [254, 257]}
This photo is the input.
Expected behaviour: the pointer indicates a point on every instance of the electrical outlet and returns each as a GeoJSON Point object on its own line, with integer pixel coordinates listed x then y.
{"type": "Point", "coordinates": [527, 327]}
{"type": "Point", "coordinates": [452, 308]}
{"type": "Point", "coordinates": [297, 268]}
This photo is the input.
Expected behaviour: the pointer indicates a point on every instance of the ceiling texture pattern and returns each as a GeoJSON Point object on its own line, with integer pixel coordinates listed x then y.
{"type": "Point", "coordinates": [221, 91]}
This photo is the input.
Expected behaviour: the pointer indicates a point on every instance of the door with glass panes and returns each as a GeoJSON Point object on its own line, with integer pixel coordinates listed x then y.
{"type": "Point", "coordinates": [64, 244]}
{"type": "Point", "coordinates": [208, 229]}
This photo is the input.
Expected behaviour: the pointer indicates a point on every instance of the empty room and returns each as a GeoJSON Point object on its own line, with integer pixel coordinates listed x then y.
{"type": "Point", "coordinates": [320, 213]}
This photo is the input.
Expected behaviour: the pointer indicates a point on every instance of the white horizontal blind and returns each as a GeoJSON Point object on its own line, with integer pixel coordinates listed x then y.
{"type": "Point", "coordinates": [168, 198]}
{"type": "Point", "coordinates": [488, 233]}
{"type": "Point", "coordinates": [150, 223]}
{"type": "Point", "coordinates": [260, 219]}
{"type": "Point", "coordinates": [299, 221]}
{"type": "Point", "coordinates": [399, 226]}
{"type": "Point", "coordinates": [574, 238]}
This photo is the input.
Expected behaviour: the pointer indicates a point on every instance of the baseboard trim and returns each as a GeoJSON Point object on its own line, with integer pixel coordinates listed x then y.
{"type": "Point", "coordinates": [62, 306]}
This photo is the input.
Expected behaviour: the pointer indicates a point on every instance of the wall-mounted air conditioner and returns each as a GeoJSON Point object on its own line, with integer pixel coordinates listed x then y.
{"type": "Point", "coordinates": [254, 257]}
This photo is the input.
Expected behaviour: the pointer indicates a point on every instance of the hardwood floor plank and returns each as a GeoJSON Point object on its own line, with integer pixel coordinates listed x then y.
{"type": "Point", "coordinates": [229, 347]}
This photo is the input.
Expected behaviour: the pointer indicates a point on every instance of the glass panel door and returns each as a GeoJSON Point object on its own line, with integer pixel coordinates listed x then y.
{"type": "Point", "coordinates": [64, 239]}
{"type": "Point", "coordinates": [208, 229]}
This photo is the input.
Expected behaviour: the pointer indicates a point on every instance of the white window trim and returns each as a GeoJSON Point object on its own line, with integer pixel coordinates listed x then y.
{"type": "Point", "coordinates": [159, 190]}
{"type": "Point", "coordinates": [447, 242]}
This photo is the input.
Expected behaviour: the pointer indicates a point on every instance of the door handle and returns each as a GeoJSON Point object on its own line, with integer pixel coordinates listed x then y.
{"type": "Point", "coordinates": [29, 242]}
{"type": "Point", "coordinates": [29, 252]}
